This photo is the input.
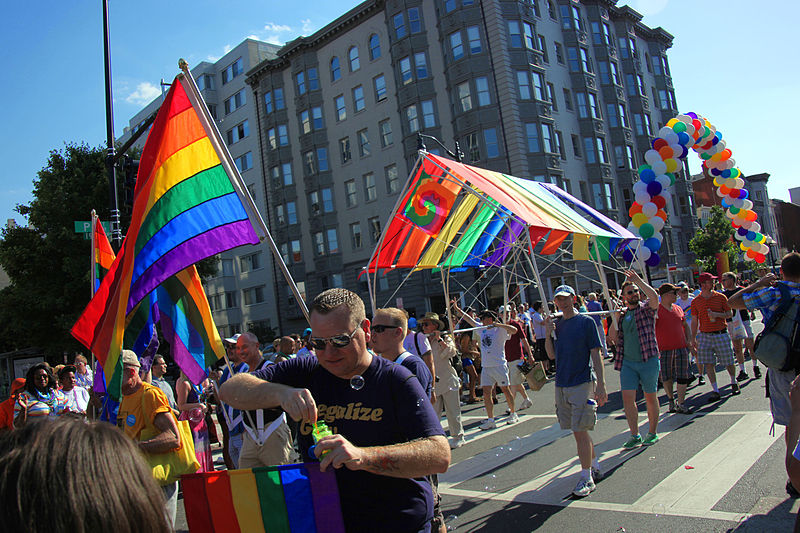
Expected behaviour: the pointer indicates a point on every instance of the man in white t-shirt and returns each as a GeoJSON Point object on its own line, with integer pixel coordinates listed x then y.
{"type": "Point", "coordinates": [77, 397]}
{"type": "Point", "coordinates": [494, 370]}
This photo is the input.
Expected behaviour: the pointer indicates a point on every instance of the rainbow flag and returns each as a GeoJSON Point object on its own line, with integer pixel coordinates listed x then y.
{"type": "Point", "coordinates": [102, 253]}
{"type": "Point", "coordinates": [189, 204]}
{"type": "Point", "coordinates": [294, 498]}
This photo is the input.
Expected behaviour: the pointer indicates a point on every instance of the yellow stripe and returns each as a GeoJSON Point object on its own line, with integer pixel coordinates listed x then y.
{"type": "Point", "coordinates": [580, 247]}
{"type": "Point", "coordinates": [183, 164]}
{"type": "Point", "coordinates": [454, 222]}
{"type": "Point", "coordinates": [244, 493]}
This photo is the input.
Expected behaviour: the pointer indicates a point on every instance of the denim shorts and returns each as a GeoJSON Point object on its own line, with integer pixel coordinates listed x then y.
{"type": "Point", "coordinates": [635, 372]}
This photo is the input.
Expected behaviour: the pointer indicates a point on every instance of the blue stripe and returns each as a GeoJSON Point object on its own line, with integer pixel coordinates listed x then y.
{"type": "Point", "coordinates": [299, 500]}
{"type": "Point", "coordinates": [184, 330]}
{"type": "Point", "coordinates": [190, 223]}
{"type": "Point", "coordinates": [492, 229]}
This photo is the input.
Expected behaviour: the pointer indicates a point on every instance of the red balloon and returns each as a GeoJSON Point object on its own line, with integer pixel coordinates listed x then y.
{"type": "Point", "coordinates": [658, 144]}
{"type": "Point", "coordinates": [660, 201]}
{"type": "Point", "coordinates": [661, 213]}
{"type": "Point", "coordinates": [635, 208]}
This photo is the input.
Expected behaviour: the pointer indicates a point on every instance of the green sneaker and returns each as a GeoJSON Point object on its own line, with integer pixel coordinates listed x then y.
{"type": "Point", "coordinates": [633, 442]}
{"type": "Point", "coordinates": [650, 439]}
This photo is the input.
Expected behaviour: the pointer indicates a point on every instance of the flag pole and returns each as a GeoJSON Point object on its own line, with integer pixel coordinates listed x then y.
{"type": "Point", "coordinates": [214, 136]}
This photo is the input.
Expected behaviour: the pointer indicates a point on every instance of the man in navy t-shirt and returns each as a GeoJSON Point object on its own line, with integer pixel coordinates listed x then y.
{"type": "Point", "coordinates": [580, 385]}
{"type": "Point", "coordinates": [387, 333]}
{"type": "Point", "coordinates": [386, 433]}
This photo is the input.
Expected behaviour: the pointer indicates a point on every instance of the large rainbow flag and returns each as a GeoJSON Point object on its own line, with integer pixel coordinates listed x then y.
{"type": "Point", "coordinates": [188, 205]}
{"type": "Point", "coordinates": [102, 253]}
{"type": "Point", "coordinates": [294, 498]}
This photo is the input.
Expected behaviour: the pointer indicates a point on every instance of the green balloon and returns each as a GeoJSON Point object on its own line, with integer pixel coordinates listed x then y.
{"type": "Point", "coordinates": [679, 127]}
{"type": "Point", "coordinates": [646, 230]}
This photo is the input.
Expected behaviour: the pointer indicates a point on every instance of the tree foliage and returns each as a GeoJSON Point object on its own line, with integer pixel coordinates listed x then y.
{"type": "Point", "coordinates": [47, 262]}
{"type": "Point", "coordinates": [715, 237]}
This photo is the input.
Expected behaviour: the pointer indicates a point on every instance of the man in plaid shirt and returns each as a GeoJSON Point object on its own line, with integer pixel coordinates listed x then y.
{"type": "Point", "coordinates": [765, 296]}
{"type": "Point", "coordinates": [637, 357]}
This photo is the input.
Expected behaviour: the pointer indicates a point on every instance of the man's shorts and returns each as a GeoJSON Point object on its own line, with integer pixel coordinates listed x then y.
{"type": "Point", "coordinates": [576, 407]}
{"type": "Point", "coordinates": [494, 375]}
{"type": "Point", "coordinates": [515, 375]}
{"type": "Point", "coordinates": [634, 373]}
{"type": "Point", "coordinates": [779, 404]}
{"type": "Point", "coordinates": [713, 348]}
{"type": "Point", "coordinates": [674, 364]}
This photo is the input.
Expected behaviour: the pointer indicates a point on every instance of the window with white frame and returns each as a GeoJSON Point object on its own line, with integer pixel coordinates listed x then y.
{"type": "Point", "coordinates": [386, 132]}
{"type": "Point", "coordinates": [370, 189]}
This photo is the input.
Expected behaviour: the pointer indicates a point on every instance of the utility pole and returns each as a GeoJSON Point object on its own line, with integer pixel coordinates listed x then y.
{"type": "Point", "coordinates": [116, 231]}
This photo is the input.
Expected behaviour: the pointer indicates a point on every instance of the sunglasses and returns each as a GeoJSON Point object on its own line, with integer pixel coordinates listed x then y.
{"type": "Point", "coordinates": [632, 291]}
{"type": "Point", "coordinates": [380, 328]}
{"type": "Point", "coordinates": [337, 341]}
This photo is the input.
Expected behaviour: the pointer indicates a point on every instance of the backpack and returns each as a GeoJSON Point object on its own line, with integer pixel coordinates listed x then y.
{"type": "Point", "coordinates": [778, 346]}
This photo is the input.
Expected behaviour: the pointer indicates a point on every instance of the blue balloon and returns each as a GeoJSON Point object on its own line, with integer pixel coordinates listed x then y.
{"type": "Point", "coordinates": [725, 173]}
{"type": "Point", "coordinates": [654, 188]}
{"type": "Point", "coordinates": [683, 138]}
{"type": "Point", "coordinates": [653, 244]}
{"type": "Point", "coordinates": [751, 235]}
{"type": "Point", "coordinates": [725, 203]}
{"type": "Point", "coordinates": [715, 171]}
{"type": "Point", "coordinates": [627, 256]}
{"type": "Point", "coordinates": [742, 231]}
{"type": "Point", "coordinates": [653, 260]}
{"type": "Point", "coordinates": [684, 151]}
{"type": "Point", "coordinates": [647, 175]}
{"type": "Point", "coordinates": [743, 194]}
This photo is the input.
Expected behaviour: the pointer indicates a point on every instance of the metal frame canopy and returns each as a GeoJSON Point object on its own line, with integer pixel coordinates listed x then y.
{"type": "Point", "coordinates": [452, 216]}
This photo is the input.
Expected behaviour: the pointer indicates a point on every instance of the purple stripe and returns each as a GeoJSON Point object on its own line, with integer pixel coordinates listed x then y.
{"type": "Point", "coordinates": [180, 354]}
{"type": "Point", "coordinates": [190, 252]}
{"type": "Point", "coordinates": [325, 495]}
{"type": "Point", "coordinates": [509, 237]}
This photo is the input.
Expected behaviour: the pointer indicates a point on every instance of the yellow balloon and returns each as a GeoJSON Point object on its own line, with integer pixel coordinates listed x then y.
{"type": "Point", "coordinates": [672, 122]}
{"type": "Point", "coordinates": [639, 219]}
{"type": "Point", "coordinates": [672, 165]}
{"type": "Point", "coordinates": [743, 247]}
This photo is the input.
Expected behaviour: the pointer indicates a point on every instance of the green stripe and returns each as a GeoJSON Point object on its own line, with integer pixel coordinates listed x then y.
{"type": "Point", "coordinates": [471, 235]}
{"type": "Point", "coordinates": [203, 186]}
{"type": "Point", "coordinates": [182, 298]}
{"type": "Point", "coordinates": [603, 243]}
{"type": "Point", "coordinates": [273, 505]}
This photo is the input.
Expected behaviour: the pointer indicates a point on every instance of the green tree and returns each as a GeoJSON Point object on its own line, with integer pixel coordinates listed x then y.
{"type": "Point", "coordinates": [47, 262]}
{"type": "Point", "coordinates": [715, 237]}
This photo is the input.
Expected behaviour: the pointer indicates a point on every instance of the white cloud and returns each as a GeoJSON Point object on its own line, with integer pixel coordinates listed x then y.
{"type": "Point", "coordinates": [145, 93]}
{"type": "Point", "coordinates": [281, 33]}
{"type": "Point", "coordinates": [271, 26]}
{"type": "Point", "coordinates": [649, 7]}
{"type": "Point", "coordinates": [307, 27]}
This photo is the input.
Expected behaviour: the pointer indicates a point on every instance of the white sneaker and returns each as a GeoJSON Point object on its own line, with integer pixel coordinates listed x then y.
{"type": "Point", "coordinates": [583, 488]}
{"type": "Point", "coordinates": [525, 404]}
{"type": "Point", "coordinates": [457, 442]}
{"type": "Point", "coordinates": [597, 474]}
{"type": "Point", "coordinates": [513, 419]}
{"type": "Point", "coordinates": [489, 423]}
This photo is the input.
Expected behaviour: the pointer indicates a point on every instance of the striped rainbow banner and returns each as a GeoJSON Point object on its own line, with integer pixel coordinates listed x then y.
{"type": "Point", "coordinates": [295, 498]}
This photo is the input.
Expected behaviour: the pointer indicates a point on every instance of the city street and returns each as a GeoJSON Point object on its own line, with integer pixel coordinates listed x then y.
{"type": "Point", "coordinates": [716, 470]}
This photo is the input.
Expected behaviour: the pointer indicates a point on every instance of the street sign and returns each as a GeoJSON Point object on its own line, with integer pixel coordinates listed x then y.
{"type": "Point", "coordinates": [672, 268]}
{"type": "Point", "coordinates": [86, 226]}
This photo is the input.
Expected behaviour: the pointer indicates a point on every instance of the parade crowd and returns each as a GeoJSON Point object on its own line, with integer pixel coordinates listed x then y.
{"type": "Point", "coordinates": [382, 385]}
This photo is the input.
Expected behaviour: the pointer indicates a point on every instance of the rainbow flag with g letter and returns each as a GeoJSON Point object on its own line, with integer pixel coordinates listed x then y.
{"type": "Point", "coordinates": [295, 498]}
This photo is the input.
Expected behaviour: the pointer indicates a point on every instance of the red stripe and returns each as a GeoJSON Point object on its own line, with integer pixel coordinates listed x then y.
{"type": "Point", "coordinates": [196, 504]}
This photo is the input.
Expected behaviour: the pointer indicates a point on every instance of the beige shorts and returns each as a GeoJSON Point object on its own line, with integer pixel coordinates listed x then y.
{"type": "Point", "coordinates": [494, 375]}
{"type": "Point", "coordinates": [576, 407]}
{"type": "Point", "coordinates": [515, 375]}
{"type": "Point", "coordinates": [277, 450]}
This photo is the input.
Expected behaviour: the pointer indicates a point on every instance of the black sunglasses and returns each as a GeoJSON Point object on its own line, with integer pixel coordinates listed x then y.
{"type": "Point", "coordinates": [632, 291]}
{"type": "Point", "coordinates": [337, 341]}
{"type": "Point", "coordinates": [380, 328]}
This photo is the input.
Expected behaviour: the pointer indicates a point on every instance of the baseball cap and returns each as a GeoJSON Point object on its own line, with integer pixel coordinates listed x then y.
{"type": "Point", "coordinates": [233, 339]}
{"type": "Point", "coordinates": [665, 288]}
{"type": "Point", "coordinates": [706, 276]}
{"type": "Point", "coordinates": [564, 290]}
{"type": "Point", "coordinates": [306, 333]}
{"type": "Point", "coordinates": [489, 313]}
{"type": "Point", "coordinates": [129, 358]}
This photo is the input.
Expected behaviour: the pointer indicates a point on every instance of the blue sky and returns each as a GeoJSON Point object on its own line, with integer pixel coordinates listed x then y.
{"type": "Point", "coordinates": [731, 62]}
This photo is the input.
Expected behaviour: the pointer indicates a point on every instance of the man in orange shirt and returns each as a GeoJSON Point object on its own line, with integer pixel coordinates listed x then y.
{"type": "Point", "coordinates": [710, 308]}
{"type": "Point", "coordinates": [7, 407]}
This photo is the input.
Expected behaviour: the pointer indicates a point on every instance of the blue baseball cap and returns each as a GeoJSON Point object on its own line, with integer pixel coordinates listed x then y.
{"type": "Point", "coordinates": [564, 290]}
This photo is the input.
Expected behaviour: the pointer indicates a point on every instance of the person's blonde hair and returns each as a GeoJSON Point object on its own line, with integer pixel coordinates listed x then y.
{"type": "Point", "coordinates": [397, 317]}
{"type": "Point", "coordinates": [331, 299]}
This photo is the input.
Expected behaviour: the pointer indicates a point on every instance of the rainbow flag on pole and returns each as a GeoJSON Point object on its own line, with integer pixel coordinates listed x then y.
{"type": "Point", "coordinates": [102, 253]}
{"type": "Point", "coordinates": [189, 203]}
{"type": "Point", "coordinates": [294, 498]}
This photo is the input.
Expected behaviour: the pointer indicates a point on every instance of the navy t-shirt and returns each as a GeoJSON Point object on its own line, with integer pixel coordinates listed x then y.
{"type": "Point", "coordinates": [390, 408]}
{"type": "Point", "coordinates": [417, 366]}
{"type": "Point", "coordinates": [575, 338]}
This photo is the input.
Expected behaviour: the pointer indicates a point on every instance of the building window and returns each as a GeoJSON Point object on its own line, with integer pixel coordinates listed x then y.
{"type": "Point", "coordinates": [300, 79]}
{"type": "Point", "coordinates": [474, 39]}
{"type": "Point", "coordinates": [473, 147]}
{"type": "Point", "coordinates": [336, 69]}
{"type": "Point", "coordinates": [341, 109]}
{"type": "Point", "coordinates": [350, 194]}
{"type": "Point", "coordinates": [619, 156]}
{"type": "Point", "coordinates": [231, 71]}
{"type": "Point", "coordinates": [524, 85]}
{"type": "Point", "coordinates": [272, 138]}
{"type": "Point", "coordinates": [392, 179]}
{"type": "Point", "coordinates": [250, 262]}
{"type": "Point", "coordinates": [532, 136]}
{"type": "Point", "coordinates": [386, 133]}
{"type": "Point", "coordinates": [538, 84]}
{"type": "Point", "coordinates": [235, 102]}
{"type": "Point", "coordinates": [449, 5]}
{"type": "Point", "coordinates": [551, 96]}
{"type": "Point", "coordinates": [464, 97]}
{"type": "Point", "coordinates": [428, 114]}
{"type": "Point", "coordinates": [305, 122]}
{"type": "Point", "coordinates": [355, 235]}
{"type": "Point", "coordinates": [543, 48]}
{"type": "Point", "coordinates": [238, 132]}
{"type": "Point", "coordinates": [319, 243]}
{"type": "Point", "coordinates": [268, 105]}
{"type": "Point", "coordinates": [631, 157]}
{"type": "Point", "coordinates": [399, 25]}
{"type": "Point", "coordinates": [482, 85]}
{"type": "Point", "coordinates": [230, 300]}
{"type": "Point", "coordinates": [283, 135]}
{"type": "Point", "coordinates": [280, 103]}
{"type": "Point", "coordinates": [291, 212]}
{"type": "Point", "coordinates": [583, 106]}
{"type": "Point", "coordinates": [333, 241]}
{"type": "Point", "coordinates": [310, 163]}
{"type": "Point", "coordinates": [588, 145]}
{"type": "Point", "coordinates": [358, 99]}
{"type": "Point", "coordinates": [421, 65]}
{"type": "Point", "coordinates": [615, 73]}
{"type": "Point", "coordinates": [514, 34]}
{"type": "Point", "coordinates": [227, 267]}
{"type": "Point", "coordinates": [609, 196]}
{"type": "Point", "coordinates": [280, 214]}
{"type": "Point", "coordinates": [380, 88]}
{"type": "Point", "coordinates": [527, 30]}
{"type": "Point", "coordinates": [370, 190]}
{"type": "Point", "coordinates": [559, 52]}
{"type": "Point", "coordinates": [576, 146]}
{"type": "Point", "coordinates": [355, 64]}
{"type": "Point", "coordinates": [602, 67]}
{"type": "Point", "coordinates": [490, 139]}
{"type": "Point", "coordinates": [414, 22]}
{"type": "Point", "coordinates": [313, 79]}
{"type": "Point", "coordinates": [363, 143]}
{"type": "Point", "coordinates": [205, 81]}
{"type": "Point", "coordinates": [286, 170]}
{"type": "Point", "coordinates": [322, 159]}
{"type": "Point", "coordinates": [568, 99]}
{"type": "Point", "coordinates": [548, 139]}
{"type": "Point", "coordinates": [374, 47]}
{"type": "Point", "coordinates": [585, 61]}
{"type": "Point", "coordinates": [623, 116]}
{"type": "Point", "coordinates": [456, 46]}
{"type": "Point", "coordinates": [594, 106]}
{"type": "Point", "coordinates": [405, 70]}
{"type": "Point", "coordinates": [560, 145]}
{"type": "Point", "coordinates": [344, 149]}
{"type": "Point", "coordinates": [374, 224]}
{"type": "Point", "coordinates": [244, 162]}
{"type": "Point", "coordinates": [412, 118]}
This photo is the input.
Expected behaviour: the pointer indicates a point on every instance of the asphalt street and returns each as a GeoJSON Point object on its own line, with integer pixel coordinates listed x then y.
{"type": "Point", "coordinates": [718, 469]}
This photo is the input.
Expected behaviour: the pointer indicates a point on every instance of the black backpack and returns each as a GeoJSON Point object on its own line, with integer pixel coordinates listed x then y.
{"type": "Point", "coordinates": [778, 346]}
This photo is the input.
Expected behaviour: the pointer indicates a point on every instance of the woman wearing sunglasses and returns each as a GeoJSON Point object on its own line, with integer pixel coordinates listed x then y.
{"type": "Point", "coordinates": [40, 398]}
